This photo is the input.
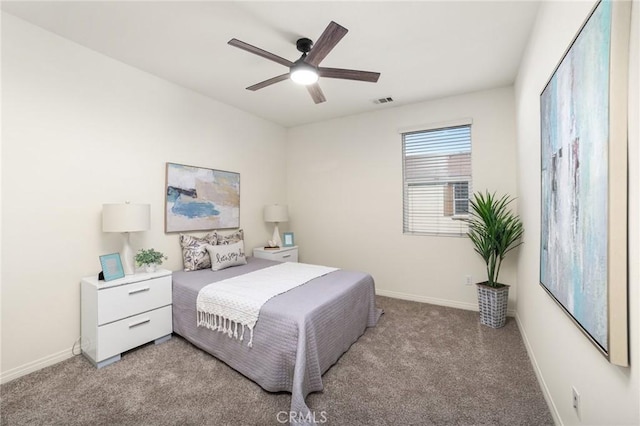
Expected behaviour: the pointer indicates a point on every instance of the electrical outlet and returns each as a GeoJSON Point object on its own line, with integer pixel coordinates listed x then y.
{"type": "Point", "coordinates": [576, 400]}
{"type": "Point", "coordinates": [468, 280]}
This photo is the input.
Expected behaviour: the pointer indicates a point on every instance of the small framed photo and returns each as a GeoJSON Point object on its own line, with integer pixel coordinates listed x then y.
{"type": "Point", "coordinates": [111, 266]}
{"type": "Point", "coordinates": [288, 239]}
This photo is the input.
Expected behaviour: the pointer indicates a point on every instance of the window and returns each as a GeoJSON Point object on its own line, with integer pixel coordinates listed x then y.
{"type": "Point", "coordinates": [437, 180]}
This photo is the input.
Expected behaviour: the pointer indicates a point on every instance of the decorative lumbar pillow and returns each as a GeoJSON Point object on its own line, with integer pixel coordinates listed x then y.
{"type": "Point", "coordinates": [194, 252]}
{"type": "Point", "coordinates": [232, 238]}
{"type": "Point", "coordinates": [226, 255]}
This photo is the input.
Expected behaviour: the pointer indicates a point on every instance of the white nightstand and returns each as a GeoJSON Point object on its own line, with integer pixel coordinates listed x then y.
{"type": "Point", "coordinates": [283, 254]}
{"type": "Point", "coordinates": [122, 314]}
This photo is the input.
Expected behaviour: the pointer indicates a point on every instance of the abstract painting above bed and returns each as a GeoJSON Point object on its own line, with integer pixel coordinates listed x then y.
{"type": "Point", "coordinates": [198, 199]}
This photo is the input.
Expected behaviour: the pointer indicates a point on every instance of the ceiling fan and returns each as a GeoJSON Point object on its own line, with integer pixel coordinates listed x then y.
{"type": "Point", "coordinates": [305, 70]}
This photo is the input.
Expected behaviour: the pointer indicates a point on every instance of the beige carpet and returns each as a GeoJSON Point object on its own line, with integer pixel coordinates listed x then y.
{"type": "Point", "coordinates": [422, 365]}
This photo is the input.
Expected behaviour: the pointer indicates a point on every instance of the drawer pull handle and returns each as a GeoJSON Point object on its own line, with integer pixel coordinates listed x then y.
{"type": "Point", "coordinates": [135, 324]}
{"type": "Point", "coordinates": [139, 290]}
{"type": "Point", "coordinates": [286, 255]}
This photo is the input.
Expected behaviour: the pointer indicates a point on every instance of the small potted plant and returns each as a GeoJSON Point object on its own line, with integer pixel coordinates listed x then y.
{"type": "Point", "coordinates": [149, 258]}
{"type": "Point", "coordinates": [494, 231]}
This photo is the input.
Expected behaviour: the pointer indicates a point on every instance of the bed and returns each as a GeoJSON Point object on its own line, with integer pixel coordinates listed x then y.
{"type": "Point", "coordinates": [300, 334]}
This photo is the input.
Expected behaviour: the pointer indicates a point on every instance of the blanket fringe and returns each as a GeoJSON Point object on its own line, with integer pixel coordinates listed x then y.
{"type": "Point", "coordinates": [224, 325]}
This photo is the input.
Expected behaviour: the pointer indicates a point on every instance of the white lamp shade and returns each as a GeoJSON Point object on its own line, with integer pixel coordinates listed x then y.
{"type": "Point", "coordinates": [276, 213]}
{"type": "Point", "coordinates": [125, 217]}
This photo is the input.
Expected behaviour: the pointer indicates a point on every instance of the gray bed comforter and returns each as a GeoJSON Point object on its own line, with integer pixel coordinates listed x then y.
{"type": "Point", "coordinates": [298, 336]}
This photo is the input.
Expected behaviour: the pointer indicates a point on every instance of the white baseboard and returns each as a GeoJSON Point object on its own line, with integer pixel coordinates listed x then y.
{"type": "Point", "coordinates": [434, 301]}
{"type": "Point", "coordinates": [543, 385]}
{"type": "Point", "coordinates": [14, 373]}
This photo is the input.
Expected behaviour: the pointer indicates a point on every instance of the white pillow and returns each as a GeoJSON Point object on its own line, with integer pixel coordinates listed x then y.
{"type": "Point", "coordinates": [224, 256]}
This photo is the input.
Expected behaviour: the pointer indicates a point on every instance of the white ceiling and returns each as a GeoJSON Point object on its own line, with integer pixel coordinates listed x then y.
{"type": "Point", "coordinates": [424, 50]}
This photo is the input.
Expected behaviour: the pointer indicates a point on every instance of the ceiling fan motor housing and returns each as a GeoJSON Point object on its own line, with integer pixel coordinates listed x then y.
{"type": "Point", "coordinates": [304, 45]}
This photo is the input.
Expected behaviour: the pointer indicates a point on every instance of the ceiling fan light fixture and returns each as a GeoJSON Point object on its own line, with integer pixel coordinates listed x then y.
{"type": "Point", "coordinates": [303, 74]}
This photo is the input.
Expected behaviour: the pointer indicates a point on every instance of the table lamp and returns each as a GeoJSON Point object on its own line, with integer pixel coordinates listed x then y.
{"type": "Point", "coordinates": [276, 213]}
{"type": "Point", "coordinates": [126, 218]}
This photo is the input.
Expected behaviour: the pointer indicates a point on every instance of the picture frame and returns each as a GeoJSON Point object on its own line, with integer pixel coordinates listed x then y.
{"type": "Point", "coordinates": [200, 199]}
{"type": "Point", "coordinates": [288, 239]}
{"type": "Point", "coordinates": [111, 266]}
{"type": "Point", "coordinates": [583, 241]}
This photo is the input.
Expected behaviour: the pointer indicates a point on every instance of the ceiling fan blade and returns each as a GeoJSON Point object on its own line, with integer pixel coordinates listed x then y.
{"type": "Point", "coordinates": [316, 93]}
{"type": "Point", "coordinates": [268, 82]}
{"type": "Point", "coordinates": [260, 52]}
{"type": "Point", "coordinates": [327, 41]}
{"type": "Point", "coordinates": [349, 74]}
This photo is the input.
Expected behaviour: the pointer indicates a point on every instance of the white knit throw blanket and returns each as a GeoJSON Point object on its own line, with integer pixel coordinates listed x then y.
{"type": "Point", "coordinates": [225, 304]}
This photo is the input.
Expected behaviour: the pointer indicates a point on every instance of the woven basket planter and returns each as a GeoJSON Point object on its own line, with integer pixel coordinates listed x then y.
{"type": "Point", "coordinates": [492, 303]}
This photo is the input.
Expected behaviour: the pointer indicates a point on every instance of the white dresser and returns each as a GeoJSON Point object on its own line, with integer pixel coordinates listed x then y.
{"type": "Point", "coordinates": [283, 254]}
{"type": "Point", "coordinates": [121, 314]}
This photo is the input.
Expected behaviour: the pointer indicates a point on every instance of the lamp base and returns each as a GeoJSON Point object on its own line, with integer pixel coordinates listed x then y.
{"type": "Point", "coordinates": [127, 256]}
{"type": "Point", "coordinates": [277, 241]}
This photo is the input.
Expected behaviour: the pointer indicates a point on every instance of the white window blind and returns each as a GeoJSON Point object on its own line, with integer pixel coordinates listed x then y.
{"type": "Point", "coordinates": [437, 180]}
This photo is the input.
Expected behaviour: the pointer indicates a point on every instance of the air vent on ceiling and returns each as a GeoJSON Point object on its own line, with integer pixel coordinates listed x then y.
{"type": "Point", "coordinates": [383, 100]}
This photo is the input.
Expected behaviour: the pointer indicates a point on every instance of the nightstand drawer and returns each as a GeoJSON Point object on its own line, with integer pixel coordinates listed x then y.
{"type": "Point", "coordinates": [286, 256]}
{"type": "Point", "coordinates": [134, 331]}
{"type": "Point", "coordinates": [130, 299]}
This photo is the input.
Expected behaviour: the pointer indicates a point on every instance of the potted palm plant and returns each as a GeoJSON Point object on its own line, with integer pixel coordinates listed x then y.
{"type": "Point", "coordinates": [150, 258]}
{"type": "Point", "coordinates": [494, 231]}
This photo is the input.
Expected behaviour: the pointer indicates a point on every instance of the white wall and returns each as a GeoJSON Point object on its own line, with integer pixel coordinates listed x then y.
{"type": "Point", "coordinates": [79, 130]}
{"type": "Point", "coordinates": [344, 180]}
{"type": "Point", "coordinates": [562, 355]}
{"type": "Point", "coordinates": [1, 209]}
